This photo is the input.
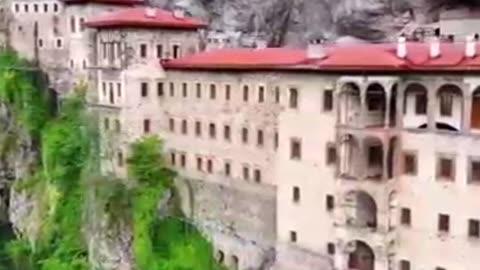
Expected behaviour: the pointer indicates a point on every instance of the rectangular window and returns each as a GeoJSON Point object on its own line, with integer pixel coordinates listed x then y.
{"type": "Point", "coordinates": [331, 154]}
{"type": "Point", "coordinates": [474, 171]}
{"type": "Point", "coordinates": [184, 90]}
{"type": "Point", "coordinates": [446, 104]}
{"type": "Point", "coordinates": [213, 91]}
{"type": "Point", "coordinates": [226, 133]}
{"type": "Point", "coordinates": [245, 93]}
{"type": "Point", "coordinates": [445, 168]}
{"type": "Point", "coordinates": [228, 168]}
{"type": "Point", "coordinates": [55, 7]}
{"type": "Point", "coordinates": [144, 89]}
{"type": "Point", "coordinates": [171, 125]}
{"type": "Point", "coordinates": [293, 236]}
{"type": "Point", "coordinates": [118, 127]}
{"type": "Point", "coordinates": [331, 249]}
{"type": "Point", "coordinates": [277, 95]}
{"type": "Point", "coordinates": [375, 155]}
{"type": "Point", "coordinates": [172, 89]}
{"type": "Point", "coordinates": [198, 129]}
{"type": "Point", "coordinates": [119, 89]}
{"type": "Point", "coordinates": [245, 135]}
{"type": "Point", "coordinates": [275, 141]}
{"type": "Point", "coordinates": [209, 166]}
{"type": "Point", "coordinates": [227, 92]}
{"type": "Point", "coordinates": [146, 126]}
{"type": "Point", "coordinates": [328, 100]}
{"type": "Point", "coordinates": [45, 7]}
{"type": "Point", "coordinates": [404, 265]}
{"type": "Point", "coordinates": [104, 88]}
{"type": "Point", "coordinates": [199, 164]}
{"type": "Point", "coordinates": [296, 194]}
{"type": "Point", "coordinates": [330, 203]}
{"type": "Point", "coordinates": [120, 159]}
{"type": "Point", "coordinates": [293, 101]}
{"type": "Point", "coordinates": [440, 268]}
{"type": "Point", "coordinates": [184, 127]}
{"type": "Point", "coordinates": [143, 50]}
{"type": "Point", "coordinates": [35, 7]}
{"type": "Point", "coordinates": [421, 104]}
{"type": "Point", "coordinates": [173, 159]}
{"type": "Point", "coordinates": [295, 149]}
{"type": "Point", "coordinates": [257, 176]}
{"type": "Point", "coordinates": [212, 131]}
{"type": "Point", "coordinates": [261, 94]}
{"type": "Point", "coordinates": [25, 7]}
{"type": "Point", "coordinates": [410, 163]}
{"type": "Point", "coordinates": [159, 51]}
{"type": "Point", "coordinates": [183, 160]}
{"type": "Point", "coordinates": [106, 123]}
{"type": "Point", "coordinates": [443, 223]}
{"type": "Point", "coordinates": [160, 91]}
{"type": "Point", "coordinates": [199, 90]}
{"type": "Point", "coordinates": [474, 228]}
{"type": "Point", "coordinates": [260, 138]}
{"type": "Point", "coordinates": [406, 217]}
{"type": "Point", "coordinates": [72, 24]}
{"type": "Point", "coordinates": [176, 51]}
{"type": "Point", "coordinates": [246, 173]}
{"type": "Point", "coordinates": [81, 24]}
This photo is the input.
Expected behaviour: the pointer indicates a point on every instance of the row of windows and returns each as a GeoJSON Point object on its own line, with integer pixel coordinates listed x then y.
{"type": "Point", "coordinates": [84, 64]}
{"type": "Point", "coordinates": [111, 124]}
{"type": "Point", "coordinates": [57, 43]}
{"type": "Point", "coordinates": [208, 165]}
{"type": "Point", "coordinates": [77, 23]}
{"type": "Point", "coordinates": [445, 168]}
{"type": "Point", "coordinates": [160, 51]}
{"type": "Point", "coordinates": [34, 7]}
{"type": "Point", "coordinates": [214, 93]}
{"type": "Point", "coordinates": [443, 226]}
{"type": "Point", "coordinates": [111, 91]}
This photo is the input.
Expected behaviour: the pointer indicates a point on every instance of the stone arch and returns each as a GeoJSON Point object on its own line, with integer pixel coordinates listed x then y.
{"type": "Point", "coordinates": [361, 209]}
{"type": "Point", "coordinates": [450, 107]}
{"type": "Point", "coordinates": [234, 262]}
{"type": "Point", "coordinates": [220, 256]}
{"type": "Point", "coordinates": [362, 256]}
{"type": "Point", "coordinates": [185, 190]}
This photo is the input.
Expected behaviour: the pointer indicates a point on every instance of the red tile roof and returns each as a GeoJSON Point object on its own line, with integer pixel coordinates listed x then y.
{"type": "Point", "coordinates": [111, 2]}
{"type": "Point", "coordinates": [137, 17]}
{"type": "Point", "coordinates": [372, 57]}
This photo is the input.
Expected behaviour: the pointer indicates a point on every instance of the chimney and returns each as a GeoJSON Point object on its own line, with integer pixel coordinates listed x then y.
{"type": "Point", "coordinates": [470, 47]}
{"type": "Point", "coordinates": [150, 12]}
{"type": "Point", "coordinates": [179, 13]}
{"type": "Point", "coordinates": [434, 47]}
{"type": "Point", "coordinates": [316, 50]}
{"type": "Point", "coordinates": [402, 47]}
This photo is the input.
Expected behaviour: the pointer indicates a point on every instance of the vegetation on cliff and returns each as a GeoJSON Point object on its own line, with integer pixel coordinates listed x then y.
{"type": "Point", "coordinates": [64, 172]}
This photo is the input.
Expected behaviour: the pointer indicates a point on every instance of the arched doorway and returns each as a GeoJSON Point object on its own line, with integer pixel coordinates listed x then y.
{"type": "Point", "coordinates": [362, 257]}
{"type": "Point", "coordinates": [449, 112]}
{"type": "Point", "coordinates": [349, 104]}
{"type": "Point", "coordinates": [362, 210]}
{"type": "Point", "coordinates": [374, 154]}
{"type": "Point", "coordinates": [415, 106]}
{"type": "Point", "coordinates": [475, 115]}
{"type": "Point", "coordinates": [376, 105]}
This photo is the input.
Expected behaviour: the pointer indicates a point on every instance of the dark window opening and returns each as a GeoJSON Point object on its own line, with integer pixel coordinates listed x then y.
{"type": "Point", "coordinates": [446, 104]}
{"type": "Point", "coordinates": [199, 90]}
{"type": "Point", "coordinates": [421, 104]}
{"type": "Point", "coordinates": [331, 249]}
{"type": "Point", "coordinates": [143, 50]}
{"type": "Point", "coordinates": [160, 91]}
{"type": "Point", "coordinates": [331, 155]}
{"type": "Point", "coordinates": [328, 100]}
{"type": "Point", "coordinates": [119, 159]}
{"type": "Point", "coordinates": [375, 155]}
{"type": "Point", "coordinates": [176, 51]}
{"type": "Point", "coordinates": [330, 203]}
{"type": "Point", "coordinates": [246, 173]}
{"type": "Point", "coordinates": [293, 236]}
{"type": "Point", "coordinates": [445, 168]}
{"type": "Point", "coordinates": [171, 125]}
{"type": "Point", "coordinates": [474, 228]}
{"type": "Point", "coordinates": [199, 164]}
{"type": "Point", "coordinates": [228, 169]}
{"type": "Point", "coordinates": [296, 194]}
{"type": "Point", "coordinates": [409, 164]}
{"type": "Point", "coordinates": [159, 51]}
{"type": "Point", "coordinates": [172, 89]}
{"type": "Point", "coordinates": [245, 93]}
{"type": "Point", "coordinates": [261, 94]}
{"type": "Point", "coordinates": [146, 126]}
{"type": "Point", "coordinates": [184, 127]}
{"type": "Point", "coordinates": [260, 138]}
{"type": "Point", "coordinates": [295, 149]}
{"type": "Point", "coordinates": [293, 102]}
{"type": "Point", "coordinates": [183, 161]}
{"type": "Point", "coordinates": [226, 133]}
{"type": "Point", "coordinates": [184, 90]}
{"type": "Point", "coordinates": [443, 223]}
{"type": "Point", "coordinates": [212, 131]}
{"type": "Point", "coordinates": [227, 92]}
{"type": "Point", "coordinates": [144, 89]}
{"type": "Point", "coordinates": [244, 135]}
{"type": "Point", "coordinates": [404, 265]}
{"type": "Point", "coordinates": [406, 217]}
{"type": "Point", "coordinates": [213, 91]}
{"type": "Point", "coordinates": [257, 176]}
{"type": "Point", "coordinates": [209, 166]}
{"type": "Point", "coordinates": [277, 95]}
{"type": "Point", "coordinates": [198, 129]}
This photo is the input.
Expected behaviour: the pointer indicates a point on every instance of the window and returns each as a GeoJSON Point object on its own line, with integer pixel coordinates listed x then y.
{"type": "Point", "coordinates": [245, 93]}
{"type": "Point", "coordinates": [228, 168]}
{"type": "Point", "coordinates": [45, 7]}
{"type": "Point", "coordinates": [17, 8]}
{"type": "Point", "coordinates": [176, 51]}
{"type": "Point", "coordinates": [375, 155]}
{"type": "Point", "coordinates": [160, 91]}
{"type": "Point", "coordinates": [226, 132]}
{"type": "Point", "coordinates": [261, 94]}
{"type": "Point", "coordinates": [404, 265]}
{"type": "Point", "coordinates": [227, 92]}
{"type": "Point", "coordinates": [212, 131]}
{"type": "Point", "coordinates": [259, 137]}
{"type": "Point", "coordinates": [159, 51]}
{"type": "Point", "coordinates": [443, 223]}
{"type": "Point", "coordinates": [120, 159]}
{"type": "Point", "coordinates": [295, 149]}
{"type": "Point", "coordinates": [330, 202]}
{"type": "Point", "coordinates": [199, 164]}
{"type": "Point", "coordinates": [446, 104]}
{"type": "Point", "coordinates": [84, 64]}
{"type": "Point", "coordinates": [106, 123]}
{"type": "Point", "coordinates": [209, 166]}
{"type": "Point", "coordinates": [327, 100]}
{"type": "Point", "coordinates": [409, 163]}
{"type": "Point", "coordinates": [474, 171]}
{"type": "Point", "coordinates": [474, 228]}
{"type": "Point", "coordinates": [183, 160]}
{"type": "Point", "coordinates": [25, 7]}
{"type": "Point", "coordinates": [81, 24]}
{"type": "Point", "coordinates": [293, 102]}
{"type": "Point", "coordinates": [104, 88]}
{"type": "Point", "coordinates": [118, 127]}
{"type": "Point", "coordinates": [244, 135]}
{"type": "Point", "coordinates": [40, 43]}
{"type": "Point", "coordinates": [405, 217]}
{"type": "Point", "coordinates": [199, 90]}
{"type": "Point", "coordinates": [296, 194]}
{"type": "Point", "coordinates": [257, 176]}
{"type": "Point", "coordinates": [171, 125]}
{"type": "Point", "coordinates": [213, 91]}
{"type": "Point", "coordinates": [172, 158]}
{"type": "Point", "coordinates": [72, 25]}
{"type": "Point", "coordinates": [246, 173]}
{"type": "Point", "coordinates": [439, 268]}
{"type": "Point", "coordinates": [55, 8]}
{"type": "Point", "coordinates": [277, 95]}
{"type": "Point", "coordinates": [445, 169]}
{"type": "Point", "coordinates": [112, 95]}
{"type": "Point", "coordinates": [146, 126]}
{"type": "Point", "coordinates": [59, 43]}
{"type": "Point", "coordinates": [172, 89]}
{"type": "Point", "coordinates": [293, 236]}
{"type": "Point", "coordinates": [331, 154]}
{"type": "Point", "coordinates": [144, 89]}
{"type": "Point", "coordinates": [331, 249]}
{"type": "Point", "coordinates": [198, 129]}
{"type": "Point", "coordinates": [184, 127]}
{"type": "Point", "coordinates": [421, 104]}
{"type": "Point", "coordinates": [275, 141]}
{"type": "Point", "coordinates": [184, 90]}
{"type": "Point", "coordinates": [35, 7]}
{"type": "Point", "coordinates": [143, 50]}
